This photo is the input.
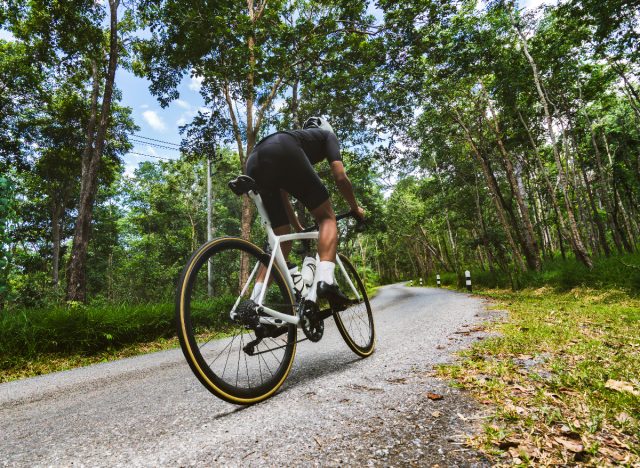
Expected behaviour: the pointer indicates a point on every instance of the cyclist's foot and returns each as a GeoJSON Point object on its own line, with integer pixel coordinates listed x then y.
{"type": "Point", "coordinates": [332, 293]}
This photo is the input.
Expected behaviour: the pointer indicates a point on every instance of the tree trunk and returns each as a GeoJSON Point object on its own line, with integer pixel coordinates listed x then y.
{"type": "Point", "coordinates": [495, 192]}
{"type": "Point", "coordinates": [295, 104]}
{"type": "Point", "coordinates": [545, 177]}
{"type": "Point", "coordinates": [56, 214]}
{"type": "Point", "coordinates": [602, 188]}
{"type": "Point", "coordinates": [529, 244]}
{"type": "Point", "coordinates": [484, 235]}
{"type": "Point", "coordinates": [576, 240]}
{"type": "Point", "coordinates": [76, 286]}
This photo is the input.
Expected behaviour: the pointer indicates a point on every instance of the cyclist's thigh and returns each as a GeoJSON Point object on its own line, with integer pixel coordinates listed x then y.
{"type": "Point", "coordinates": [301, 180]}
{"type": "Point", "coordinates": [262, 168]}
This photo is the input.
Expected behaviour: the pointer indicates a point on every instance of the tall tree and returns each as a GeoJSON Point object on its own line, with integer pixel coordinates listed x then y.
{"type": "Point", "coordinates": [269, 50]}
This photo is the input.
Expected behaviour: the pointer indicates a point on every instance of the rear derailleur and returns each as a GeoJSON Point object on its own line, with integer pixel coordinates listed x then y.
{"type": "Point", "coordinates": [248, 315]}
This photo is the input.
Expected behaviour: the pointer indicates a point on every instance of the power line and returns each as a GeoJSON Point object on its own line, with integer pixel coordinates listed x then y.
{"type": "Point", "coordinates": [150, 156]}
{"type": "Point", "coordinates": [157, 145]}
{"type": "Point", "coordinates": [155, 139]}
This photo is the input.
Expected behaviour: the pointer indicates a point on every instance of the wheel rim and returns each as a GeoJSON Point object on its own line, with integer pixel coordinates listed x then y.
{"type": "Point", "coordinates": [214, 343]}
{"type": "Point", "coordinates": [356, 321]}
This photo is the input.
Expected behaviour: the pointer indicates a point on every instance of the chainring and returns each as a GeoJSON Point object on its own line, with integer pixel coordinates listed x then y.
{"type": "Point", "coordinates": [312, 324]}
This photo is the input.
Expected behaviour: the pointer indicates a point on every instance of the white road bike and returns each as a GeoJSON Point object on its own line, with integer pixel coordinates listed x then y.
{"type": "Point", "coordinates": [240, 349]}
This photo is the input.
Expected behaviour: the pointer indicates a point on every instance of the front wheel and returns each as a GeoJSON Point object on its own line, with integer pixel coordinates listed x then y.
{"type": "Point", "coordinates": [355, 323]}
{"type": "Point", "coordinates": [222, 335]}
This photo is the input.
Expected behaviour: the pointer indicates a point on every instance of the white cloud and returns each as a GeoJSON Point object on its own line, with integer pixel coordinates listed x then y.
{"type": "Point", "coordinates": [150, 150]}
{"type": "Point", "coordinates": [144, 106]}
{"type": "Point", "coordinates": [154, 120]}
{"type": "Point", "coordinates": [183, 104]}
{"type": "Point", "coordinates": [181, 121]}
{"type": "Point", "coordinates": [279, 104]}
{"type": "Point", "coordinates": [204, 110]}
{"type": "Point", "coordinates": [6, 35]}
{"type": "Point", "coordinates": [196, 83]}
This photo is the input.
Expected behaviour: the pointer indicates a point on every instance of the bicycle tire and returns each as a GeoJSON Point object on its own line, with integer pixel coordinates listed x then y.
{"type": "Point", "coordinates": [356, 322]}
{"type": "Point", "coordinates": [195, 306]}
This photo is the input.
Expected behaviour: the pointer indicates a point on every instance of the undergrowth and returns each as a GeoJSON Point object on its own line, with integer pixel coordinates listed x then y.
{"type": "Point", "coordinates": [48, 339]}
{"type": "Point", "coordinates": [560, 376]}
{"type": "Point", "coordinates": [620, 272]}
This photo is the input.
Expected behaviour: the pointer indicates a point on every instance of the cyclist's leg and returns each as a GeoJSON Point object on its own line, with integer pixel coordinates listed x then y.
{"type": "Point", "coordinates": [262, 167]}
{"type": "Point", "coordinates": [328, 237]}
{"type": "Point", "coordinates": [303, 182]}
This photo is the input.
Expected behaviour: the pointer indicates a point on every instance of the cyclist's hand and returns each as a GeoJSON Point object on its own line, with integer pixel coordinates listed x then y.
{"type": "Point", "coordinates": [358, 213]}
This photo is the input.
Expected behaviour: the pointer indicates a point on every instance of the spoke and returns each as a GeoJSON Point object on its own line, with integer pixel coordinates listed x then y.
{"type": "Point", "coordinates": [208, 341]}
{"type": "Point", "coordinates": [278, 346]}
{"type": "Point", "coordinates": [238, 366]}
{"type": "Point", "coordinates": [227, 360]}
{"type": "Point", "coordinates": [260, 370]}
{"type": "Point", "coordinates": [246, 366]}
{"type": "Point", "coordinates": [265, 363]}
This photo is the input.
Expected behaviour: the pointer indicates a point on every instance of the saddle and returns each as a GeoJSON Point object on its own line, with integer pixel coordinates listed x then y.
{"type": "Point", "coordinates": [243, 184]}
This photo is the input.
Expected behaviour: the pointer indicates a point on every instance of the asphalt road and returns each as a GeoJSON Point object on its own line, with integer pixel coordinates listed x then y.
{"type": "Point", "coordinates": [334, 409]}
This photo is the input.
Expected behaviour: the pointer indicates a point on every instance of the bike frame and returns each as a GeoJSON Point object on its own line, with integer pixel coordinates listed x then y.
{"type": "Point", "coordinates": [277, 258]}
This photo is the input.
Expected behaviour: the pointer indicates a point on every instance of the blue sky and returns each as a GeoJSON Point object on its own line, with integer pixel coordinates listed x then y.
{"type": "Point", "coordinates": [154, 121]}
{"type": "Point", "coordinates": [162, 124]}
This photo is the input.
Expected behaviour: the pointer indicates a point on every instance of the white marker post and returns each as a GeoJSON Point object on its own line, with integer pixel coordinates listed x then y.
{"type": "Point", "coordinates": [420, 281]}
{"type": "Point", "coordinates": [467, 275]}
{"type": "Point", "coordinates": [438, 280]}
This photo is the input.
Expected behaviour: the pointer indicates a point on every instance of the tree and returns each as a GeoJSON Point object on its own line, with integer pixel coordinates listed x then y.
{"type": "Point", "coordinates": [246, 64]}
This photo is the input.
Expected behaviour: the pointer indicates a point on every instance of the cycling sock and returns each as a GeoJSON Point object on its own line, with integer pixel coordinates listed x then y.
{"type": "Point", "coordinates": [257, 289]}
{"type": "Point", "coordinates": [325, 272]}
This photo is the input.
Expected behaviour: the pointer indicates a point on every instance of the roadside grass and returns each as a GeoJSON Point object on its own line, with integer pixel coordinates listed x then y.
{"type": "Point", "coordinates": [38, 341]}
{"type": "Point", "coordinates": [560, 376]}
{"type": "Point", "coordinates": [618, 271]}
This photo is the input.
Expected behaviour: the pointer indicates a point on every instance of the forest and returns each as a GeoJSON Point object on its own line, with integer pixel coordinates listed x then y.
{"type": "Point", "coordinates": [479, 136]}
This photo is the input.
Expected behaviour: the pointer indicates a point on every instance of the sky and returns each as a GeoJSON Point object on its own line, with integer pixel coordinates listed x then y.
{"type": "Point", "coordinates": [157, 123]}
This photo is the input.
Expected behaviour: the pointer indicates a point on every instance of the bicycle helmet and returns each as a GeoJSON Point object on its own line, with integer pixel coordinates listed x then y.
{"type": "Point", "coordinates": [318, 122]}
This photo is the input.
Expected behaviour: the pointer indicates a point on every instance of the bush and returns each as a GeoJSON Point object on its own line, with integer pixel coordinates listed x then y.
{"type": "Point", "coordinates": [621, 271]}
{"type": "Point", "coordinates": [88, 330]}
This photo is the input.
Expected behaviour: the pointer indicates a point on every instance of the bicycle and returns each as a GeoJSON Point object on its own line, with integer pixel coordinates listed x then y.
{"type": "Point", "coordinates": [249, 360]}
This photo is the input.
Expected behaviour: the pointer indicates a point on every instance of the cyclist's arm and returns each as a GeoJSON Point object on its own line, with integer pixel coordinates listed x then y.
{"type": "Point", "coordinates": [345, 187]}
{"type": "Point", "coordinates": [291, 214]}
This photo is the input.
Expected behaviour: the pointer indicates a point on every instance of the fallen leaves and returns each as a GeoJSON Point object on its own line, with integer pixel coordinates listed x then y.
{"type": "Point", "coordinates": [621, 386]}
{"type": "Point", "coordinates": [614, 454]}
{"type": "Point", "coordinates": [570, 444]}
{"type": "Point", "coordinates": [540, 376]}
{"type": "Point", "coordinates": [623, 418]}
{"type": "Point", "coordinates": [433, 396]}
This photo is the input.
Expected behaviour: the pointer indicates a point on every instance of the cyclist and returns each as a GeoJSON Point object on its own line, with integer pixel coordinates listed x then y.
{"type": "Point", "coordinates": [282, 165]}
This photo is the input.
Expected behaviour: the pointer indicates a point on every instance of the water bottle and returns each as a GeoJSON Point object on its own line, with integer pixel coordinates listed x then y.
{"type": "Point", "coordinates": [296, 276]}
{"type": "Point", "coordinates": [308, 271]}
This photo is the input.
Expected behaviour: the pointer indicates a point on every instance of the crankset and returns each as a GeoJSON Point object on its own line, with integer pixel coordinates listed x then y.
{"type": "Point", "coordinates": [312, 321]}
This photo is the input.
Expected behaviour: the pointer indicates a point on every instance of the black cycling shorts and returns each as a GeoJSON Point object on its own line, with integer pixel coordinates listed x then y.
{"type": "Point", "coordinates": [279, 163]}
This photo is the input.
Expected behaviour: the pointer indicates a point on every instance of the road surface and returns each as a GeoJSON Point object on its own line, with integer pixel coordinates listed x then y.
{"type": "Point", "coordinates": [334, 409]}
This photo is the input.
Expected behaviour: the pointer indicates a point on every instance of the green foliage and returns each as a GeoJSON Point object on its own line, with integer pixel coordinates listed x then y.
{"type": "Point", "coordinates": [6, 215]}
{"type": "Point", "coordinates": [616, 272]}
{"type": "Point", "coordinates": [556, 362]}
{"type": "Point", "coordinates": [29, 334]}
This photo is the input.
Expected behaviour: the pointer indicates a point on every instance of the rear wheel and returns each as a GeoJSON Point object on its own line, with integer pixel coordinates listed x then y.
{"type": "Point", "coordinates": [235, 358]}
{"type": "Point", "coordinates": [355, 323]}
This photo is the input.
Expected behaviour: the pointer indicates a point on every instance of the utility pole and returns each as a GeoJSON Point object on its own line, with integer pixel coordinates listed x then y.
{"type": "Point", "coordinates": [210, 159]}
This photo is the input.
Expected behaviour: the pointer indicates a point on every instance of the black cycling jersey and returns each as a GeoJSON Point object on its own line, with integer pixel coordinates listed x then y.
{"type": "Point", "coordinates": [284, 161]}
{"type": "Point", "coordinates": [317, 144]}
